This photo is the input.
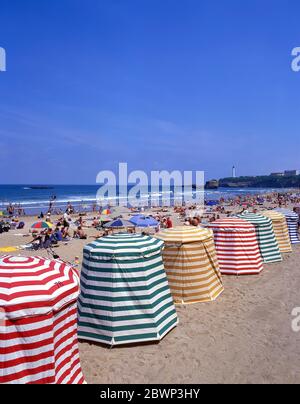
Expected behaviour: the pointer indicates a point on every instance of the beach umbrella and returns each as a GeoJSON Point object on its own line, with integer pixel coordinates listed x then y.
{"type": "Point", "coordinates": [41, 225]}
{"type": "Point", "coordinates": [191, 264]}
{"type": "Point", "coordinates": [105, 219]}
{"type": "Point", "coordinates": [212, 203]}
{"type": "Point", "coordinates": [106, 212]}
{"type": "Point", "coordinates": [125, 296]}
{"type": "Point", "coordinates": [237, 247]}
{"type": "Point", "coordinates": [143, 221]}
{"type": "Point", "coordinates": [1, 213]}
{"type": "Point", "coordinates": [292, 219]}
{"type": "Point", "coordinates": [265, 236]}
{"type": "Point", "coordinates": [280, 229]}
{"type": "Point", "coordinates": [38, 328]}
{"type": "Point", "coordinates": [119, 224]}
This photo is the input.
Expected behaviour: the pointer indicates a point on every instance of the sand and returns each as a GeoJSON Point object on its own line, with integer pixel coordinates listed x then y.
{"type": "Point", "coordinates": [243, 337]}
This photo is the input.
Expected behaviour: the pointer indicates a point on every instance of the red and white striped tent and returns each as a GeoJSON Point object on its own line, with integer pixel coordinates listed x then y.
{"type": "Point", "coordinates": [237, 247]}
{"type": "Point", "coordinates": [38, 321]}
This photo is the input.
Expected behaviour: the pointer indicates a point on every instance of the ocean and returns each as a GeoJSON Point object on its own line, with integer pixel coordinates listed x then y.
{"type": "Point", "coordinates": [35, 199]}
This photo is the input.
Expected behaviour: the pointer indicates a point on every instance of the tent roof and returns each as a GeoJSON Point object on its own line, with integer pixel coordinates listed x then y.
{"type": "Point", "coordinates": [31, 286]}
{"type": "Point", "coordinates": [232, 224]}
{"type": "Point", "coordinates": [255, 219]}
{"type": "Point", "coordinates": [185, 234]}
{"type": "Point", "coordinates": [273, 215]}
{"type": "Point", "coordinates": [123, 243]}
{"type": "Point", "coordinates": [287, 213]}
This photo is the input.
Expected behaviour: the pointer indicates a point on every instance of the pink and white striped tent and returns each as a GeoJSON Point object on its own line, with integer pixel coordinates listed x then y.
{"type": "Point", "coordinates": [38, 321]}
{"type": "Point", "coordinates": [237, 247]}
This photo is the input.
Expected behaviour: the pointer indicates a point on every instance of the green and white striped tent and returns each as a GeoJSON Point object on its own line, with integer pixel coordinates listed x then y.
{"type": "Point", "coordinates": [267, 242]}
{"type": "Point", "coordinates": [125, 295]}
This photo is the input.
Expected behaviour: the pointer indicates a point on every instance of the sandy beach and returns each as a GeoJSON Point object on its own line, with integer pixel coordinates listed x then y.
{"type": "Point", "coordinates": [245, 336]}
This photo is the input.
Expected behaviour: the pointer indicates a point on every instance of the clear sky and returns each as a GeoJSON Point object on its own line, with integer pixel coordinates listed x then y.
{"type": "Point", "coordinates": [160, 84]}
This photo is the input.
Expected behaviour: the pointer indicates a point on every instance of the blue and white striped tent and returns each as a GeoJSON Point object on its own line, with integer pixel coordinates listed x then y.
{"type": "Point", "coordinates": [125, 296]}
{"type": "Point", "coordinates": [292, 219]}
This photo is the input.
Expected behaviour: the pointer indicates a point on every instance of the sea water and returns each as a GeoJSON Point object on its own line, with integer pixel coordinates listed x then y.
{"type": "Point", "coordinates": [34, 199]}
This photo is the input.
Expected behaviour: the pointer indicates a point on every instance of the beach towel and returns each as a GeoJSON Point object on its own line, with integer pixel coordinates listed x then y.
{"type": "Point", "coordinates": [9, 249]}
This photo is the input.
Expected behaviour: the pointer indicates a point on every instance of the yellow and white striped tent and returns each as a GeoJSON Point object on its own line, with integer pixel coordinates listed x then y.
{"type": "Point", "coordinates": [280, 229]}
{"type": "Point", "coordinates": [191, 264]}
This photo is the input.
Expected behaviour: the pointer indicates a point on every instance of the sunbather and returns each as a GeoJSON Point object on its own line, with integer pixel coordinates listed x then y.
{"type": "Point", "coordinates": [79, 233]}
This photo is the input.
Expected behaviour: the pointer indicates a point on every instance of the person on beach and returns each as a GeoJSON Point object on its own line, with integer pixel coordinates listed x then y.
{"type": "Point", "coordinates": [51, 203]}
{"type": "Point", "coordinates": [37, 240]}
{"type": "Point", "coordinates": [65, 220]}
{"type": "Point", "coordinates": [47, 239]}
{"type": "Point", "coordinates": [58, 235]}
{"type": "Point", "coordinates": [79, 233]}
{"type": "Point", "coordinates": [70, 209]}
{"type": "Point", "coordinates": [80, 222]}
{"type": "Point", "coordinates": [169, 223]}
{"type": "Point", "coordinates": [96, 222]}
{"type": "Point", "coordinates": [10, 210]}
{"type": "Point", "coordinates": [48, 218]}
{"type": "Point", "coordinates": [65, 233]}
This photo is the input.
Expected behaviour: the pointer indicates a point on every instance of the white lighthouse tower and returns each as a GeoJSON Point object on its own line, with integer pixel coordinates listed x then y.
{"type": "Point", "coordinates": [233, 172]}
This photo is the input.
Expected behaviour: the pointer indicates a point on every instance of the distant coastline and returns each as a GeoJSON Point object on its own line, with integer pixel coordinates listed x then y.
{"type": "Point", "coordinates": [265, 181]}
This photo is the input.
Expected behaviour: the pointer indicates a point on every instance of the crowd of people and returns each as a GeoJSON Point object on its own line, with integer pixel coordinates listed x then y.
{"type": "Point", "coordinates": [62, 231]}
{"type": "Point", "coordinates": [68, 226]}
{"type": "Point", "coordinates": [15, 210]}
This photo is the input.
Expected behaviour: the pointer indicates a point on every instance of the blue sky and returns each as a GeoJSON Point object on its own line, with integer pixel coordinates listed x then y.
{"type": "Point", "coordinates": [160, 84]}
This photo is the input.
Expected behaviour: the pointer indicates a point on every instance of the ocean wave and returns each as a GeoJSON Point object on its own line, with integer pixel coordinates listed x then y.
{"type": "Point", "coordinates": [41, 200]}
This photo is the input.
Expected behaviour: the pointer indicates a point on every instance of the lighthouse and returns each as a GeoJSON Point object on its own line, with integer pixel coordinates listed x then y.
{"type": "Point", "coordinates": [233, 172]}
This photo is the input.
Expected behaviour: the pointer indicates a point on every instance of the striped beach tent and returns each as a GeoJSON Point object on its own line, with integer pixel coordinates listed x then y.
{"type": "Point", "coordinates": [280, 229]}
{"type": "Point", "coordinates": [292, 219]}
{"type": "Point", "coordinates": [265, 236]}
{"type": "Point", "coordinates": [191, 264]}
{"type": "Point", "coordinates": [38, 322]}
{"type": "Point", "coordinates": [237, 247]}
{"type": "Point", "coordinates": [125, 296]}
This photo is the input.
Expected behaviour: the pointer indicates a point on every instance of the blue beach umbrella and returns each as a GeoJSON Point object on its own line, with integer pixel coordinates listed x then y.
{"type": "Point", "coordinates": [119, 224]}
{"type": "Point", "coordinates": [212, 203]}
{"type": "Point", "coordinates": [144, 221]}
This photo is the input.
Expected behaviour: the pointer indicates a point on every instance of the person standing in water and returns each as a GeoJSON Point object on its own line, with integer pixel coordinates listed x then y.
{"type": "Point", "coordinates": [51, 203]}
